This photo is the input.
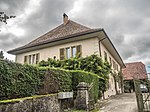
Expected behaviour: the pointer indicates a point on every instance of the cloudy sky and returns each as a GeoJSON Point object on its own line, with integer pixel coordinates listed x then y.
{"type": "Point", "coordinates": [127, 22]}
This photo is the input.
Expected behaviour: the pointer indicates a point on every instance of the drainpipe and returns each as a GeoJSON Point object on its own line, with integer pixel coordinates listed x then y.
{"type": "Point", "coordinates": [100, 45]}
{"type": "Point", "coordinates": [101, 56]}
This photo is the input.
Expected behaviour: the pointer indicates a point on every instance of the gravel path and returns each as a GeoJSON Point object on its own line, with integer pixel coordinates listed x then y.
{"type": "Point", "coordinates": [121, 103]}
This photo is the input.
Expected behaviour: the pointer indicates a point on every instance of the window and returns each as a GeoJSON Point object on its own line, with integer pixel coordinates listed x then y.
{"type": "Point", "coordinates": [110, 61]}
{"type": "Point", "coordinates": [62, 54]}
{"type": "Point", "coordinates": [25, 59]}
{"type": "Point", "coordinates": [105, 56]}
{"type": "Point", "coordinates": [78, 52]}
{"type": "Point", "coordinates": [68, 52]}
{"type": "Point", "coordinates": [73, 51]}
{"type": "Point", "coordinates": [37, 58]}
{"type": "Point", "coordinates": [113, 64]}
{"type": "Point", "coordinates": [31, 59]}
{"type": "Point", "coordinates": [116, 67]}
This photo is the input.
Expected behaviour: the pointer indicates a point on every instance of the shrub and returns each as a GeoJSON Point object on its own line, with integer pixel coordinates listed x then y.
{"type": "Point", "coordinates": [82, 76]}
{"type": "Point", "coordinates": [63, 78]}
{"type": "Point", "coordinates": [18, 80]}
{"type": "Point", "coordinates": [93, 64]}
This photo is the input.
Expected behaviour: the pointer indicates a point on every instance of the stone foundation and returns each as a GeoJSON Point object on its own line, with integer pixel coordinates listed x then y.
{"type": "Point", "coordinates": [46, 103]}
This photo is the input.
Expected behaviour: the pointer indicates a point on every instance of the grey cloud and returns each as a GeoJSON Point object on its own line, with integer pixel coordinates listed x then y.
{"type": "Point", "coordinates": [118, 17]}
{"type": "Point", "coordinates": [13, 6]}
{"type": "Point", "coordinates": [47, 16]}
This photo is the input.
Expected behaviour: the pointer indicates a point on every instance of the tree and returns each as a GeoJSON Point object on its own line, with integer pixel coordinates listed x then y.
{"type": "Point", "coordinates": [4, 17]}
{"type": "Point", "coordinates": [1, 55]}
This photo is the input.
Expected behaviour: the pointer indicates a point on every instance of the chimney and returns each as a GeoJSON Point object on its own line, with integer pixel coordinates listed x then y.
{"type": "Point", "coordinates": [65, 19]}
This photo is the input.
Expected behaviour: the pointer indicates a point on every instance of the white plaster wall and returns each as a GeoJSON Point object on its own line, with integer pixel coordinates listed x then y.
{"type": "Point", "coordinates": [89, 47]}
{"type": "Point", "coordinates": [111, 90]}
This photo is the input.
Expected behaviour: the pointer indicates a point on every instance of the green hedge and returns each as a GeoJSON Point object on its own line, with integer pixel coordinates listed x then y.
{"type": "Point", "coordinates": [88, 77]}
{"type": "Point", "coordinates": [61, 76]}
{"type": "Point", "coordinates": [18, 80]}
{"type": "Point", "coordinates": [91, 63]}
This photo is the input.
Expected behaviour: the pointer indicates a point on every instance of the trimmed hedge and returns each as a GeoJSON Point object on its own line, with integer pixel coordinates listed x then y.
{"type": "Point", "coordinates": [91, 63]}
{"type": "Point", "coordinates": [62, 77]}
{"type": "Point", "coordinates": [88, 77]}
{"type": "Point", "coordinates": [18, 80]}
{"type": "Point", "coordinates": [69, 79]}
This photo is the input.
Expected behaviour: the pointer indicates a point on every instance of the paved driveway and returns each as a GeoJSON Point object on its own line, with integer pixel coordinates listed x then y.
{"type": "Point", "coordinates": [121, 103]}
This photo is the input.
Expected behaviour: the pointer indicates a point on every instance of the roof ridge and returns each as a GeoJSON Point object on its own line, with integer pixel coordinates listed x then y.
{"type": "Point", "coordinates": [72, 26]}
{"type": "Point", "coordinates": [79, 24]}
{"type": "Point", "coordinates": [69, 30]}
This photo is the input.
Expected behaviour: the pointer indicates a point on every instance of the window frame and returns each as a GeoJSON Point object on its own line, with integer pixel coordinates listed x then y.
{"type": "Point", "coordinates": [105, 56]}
{"type": "Point", "coordinates": [32, 58]}
{"type": "Point", "coordinates": [68, 53]}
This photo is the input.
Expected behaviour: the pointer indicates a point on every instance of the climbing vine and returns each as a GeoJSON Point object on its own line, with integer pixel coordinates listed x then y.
{"type": "Point", "coordinates": [93, 64]}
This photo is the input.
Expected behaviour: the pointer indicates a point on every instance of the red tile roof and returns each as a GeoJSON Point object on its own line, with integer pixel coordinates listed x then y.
{"type": "Point", "coordinates": [134, 70]}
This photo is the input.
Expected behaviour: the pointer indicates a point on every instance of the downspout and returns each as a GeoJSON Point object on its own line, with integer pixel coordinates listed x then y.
{"type": "Point", "coordinates": [101, 56]}
{"type": "Point", "coordinates": [100, 45]}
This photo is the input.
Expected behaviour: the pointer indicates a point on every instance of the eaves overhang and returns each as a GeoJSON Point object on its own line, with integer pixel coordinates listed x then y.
{"type": "Point", "coordinates": [57, 41]}
{"type": "Point", "coordinates": [111, 48]}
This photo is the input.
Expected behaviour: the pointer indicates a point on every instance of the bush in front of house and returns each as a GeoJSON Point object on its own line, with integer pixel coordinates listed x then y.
{"type": "Point", "coordinates": [90, 78]}
{"type": "Point", "coordinates": [25, 80]}
{"type": "Point", "coordinates": [93, 64]}
{"type": "Point", "coordinates": [67, 80]}
{"type": "Point", "coordinates": [60, 79]}
{"type": "Point", "coordinates": [18, 80]}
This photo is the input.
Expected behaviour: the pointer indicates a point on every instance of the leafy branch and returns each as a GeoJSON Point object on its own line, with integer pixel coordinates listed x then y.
{"type": "Point", "coordinates": [4, 17]}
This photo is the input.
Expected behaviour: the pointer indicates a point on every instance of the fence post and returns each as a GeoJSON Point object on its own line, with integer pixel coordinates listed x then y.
{"type": "Point", "coordinates": [139, 96]}
{"type": "Point", "coordinates": [81, 101]}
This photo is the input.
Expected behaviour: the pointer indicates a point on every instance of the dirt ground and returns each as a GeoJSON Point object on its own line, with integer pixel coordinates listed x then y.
{"type": "Point", "coordinates": [120, 103]}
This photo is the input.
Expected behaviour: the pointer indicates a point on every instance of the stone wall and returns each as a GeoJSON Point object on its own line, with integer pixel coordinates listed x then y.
{"type": "Point", "coordinates": [42, 103]}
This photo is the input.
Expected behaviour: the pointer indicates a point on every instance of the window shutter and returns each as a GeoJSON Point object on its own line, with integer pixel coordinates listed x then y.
{"type": "Point", "coordinates": [62, 53]}
{"type": "Point", "coordinates": [25, 59]}
{"type": "Point", "coordinates": [37, 58]}
{"type": "Point", "coordinates": [33, 59]}
{"type": "Point", "coordinates": [79, 51]}
{"type": "Point", "coordinates": [30, 59]}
